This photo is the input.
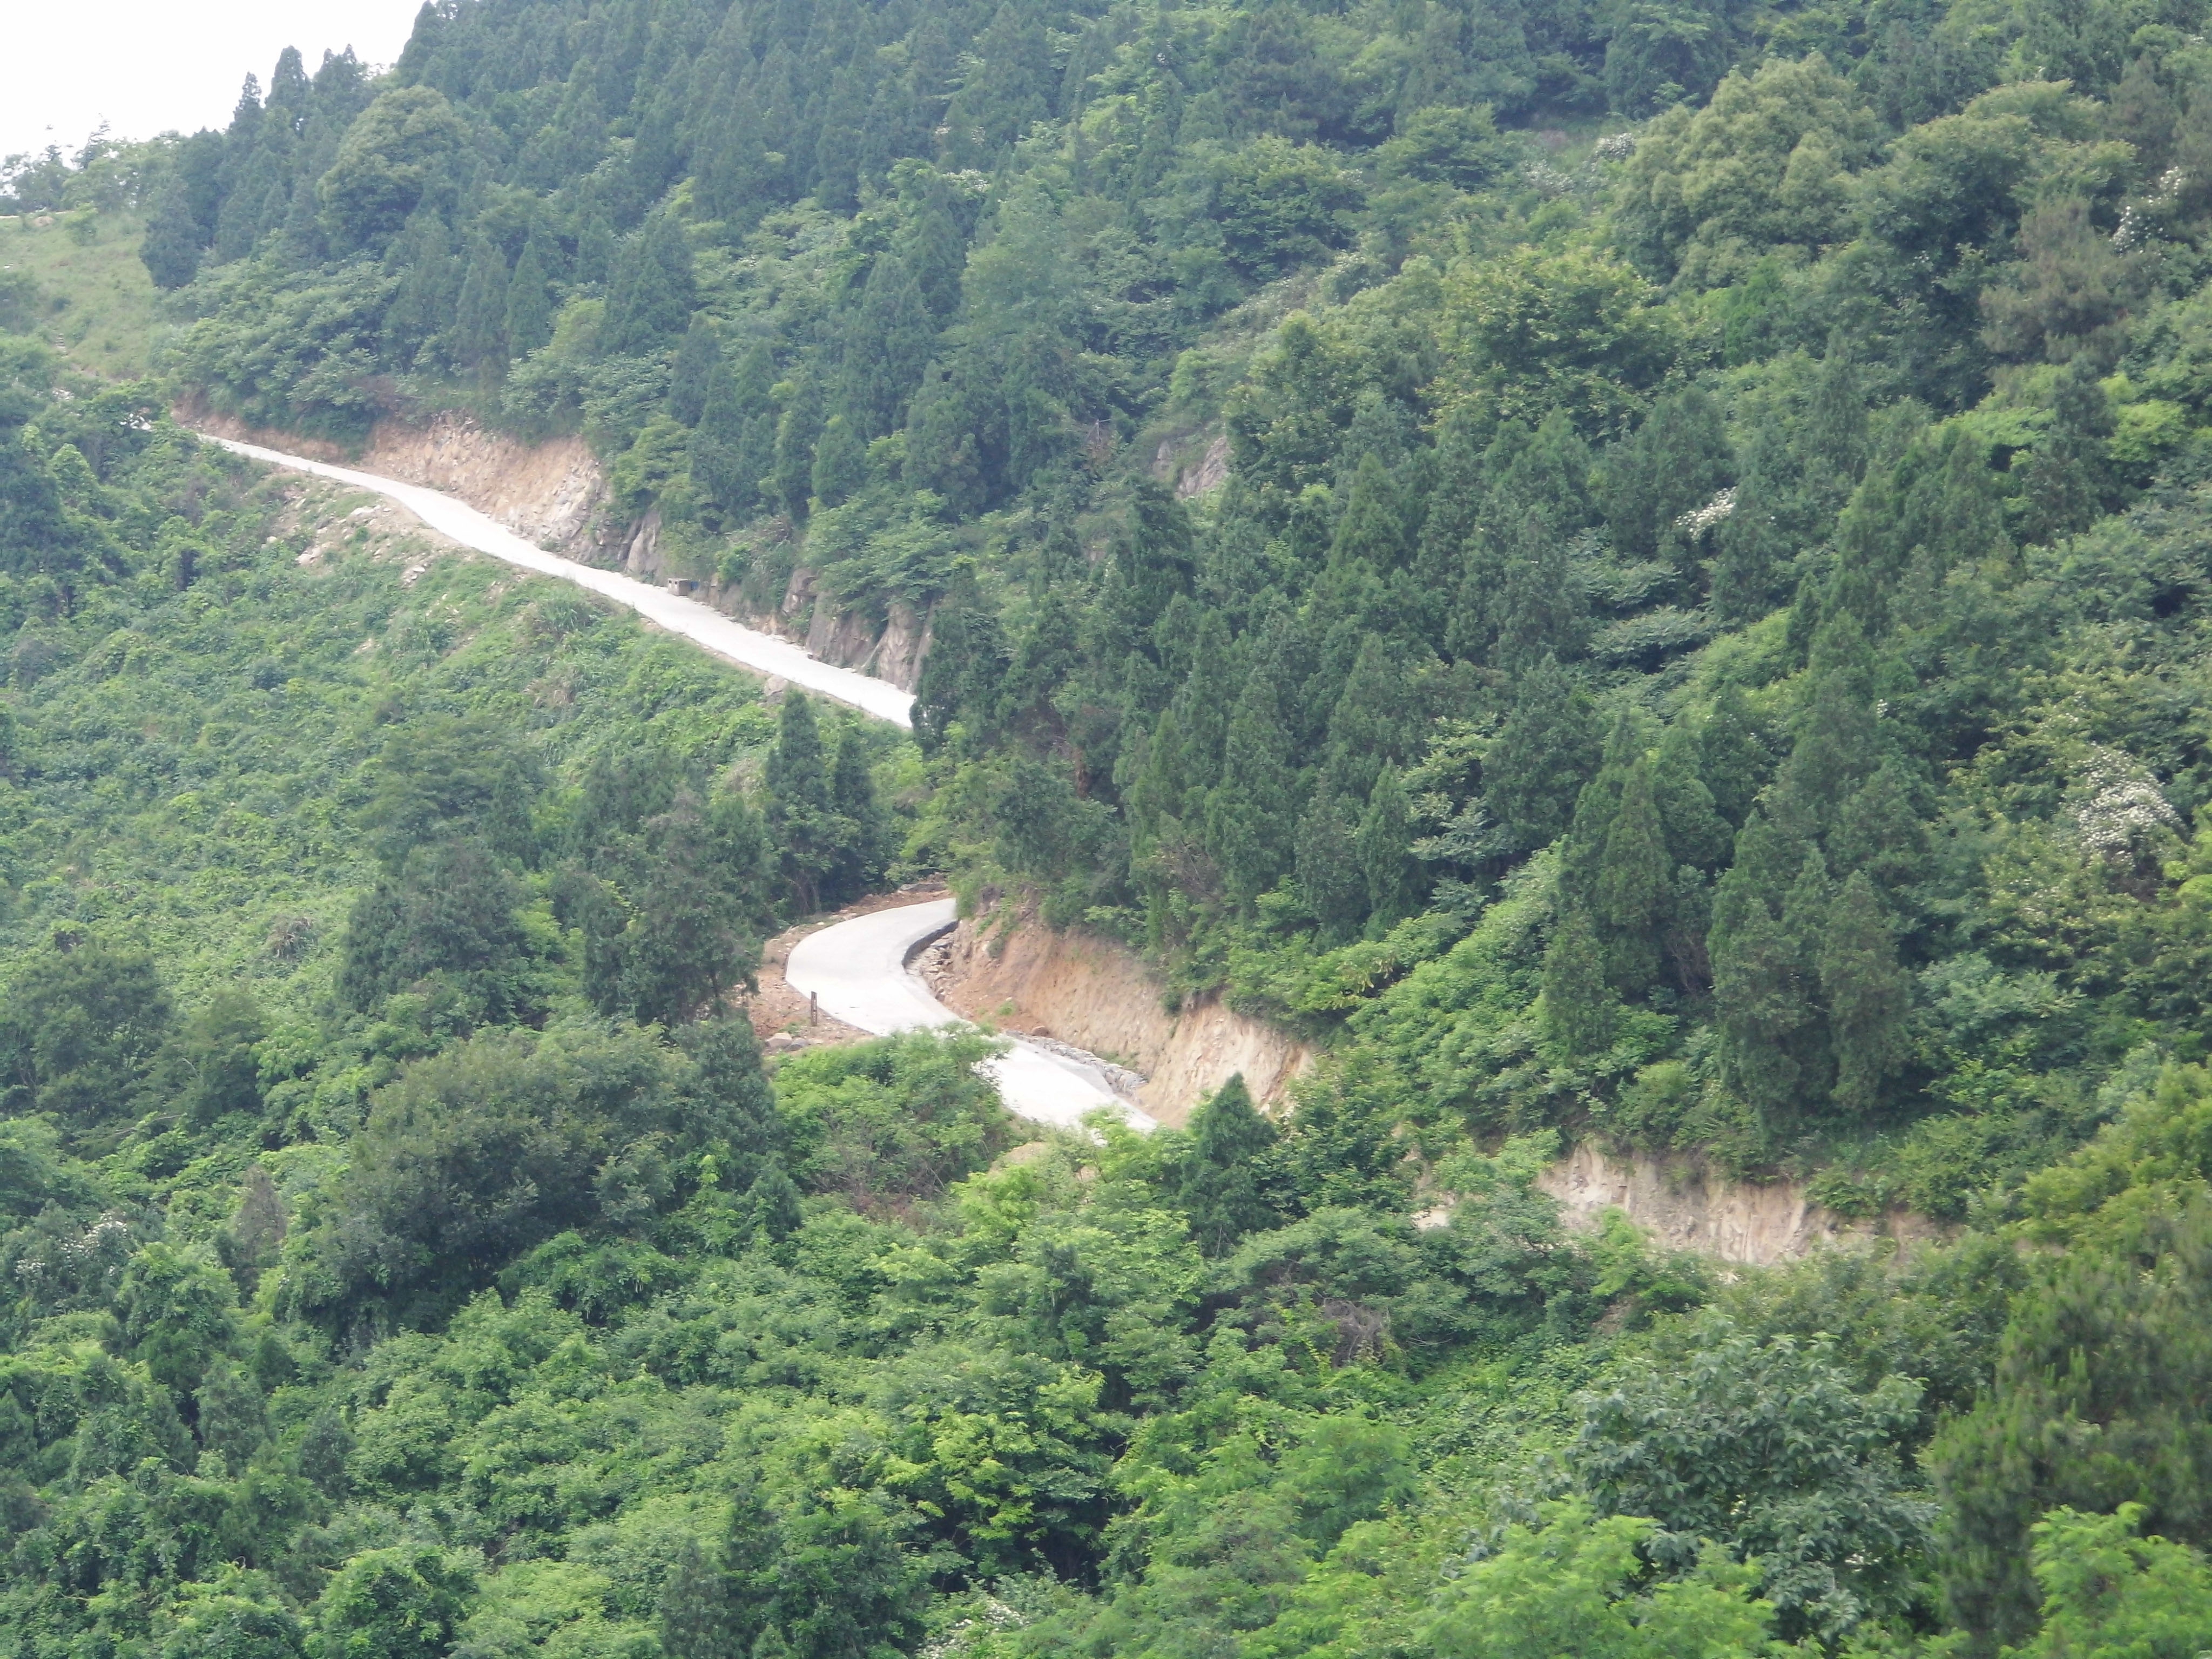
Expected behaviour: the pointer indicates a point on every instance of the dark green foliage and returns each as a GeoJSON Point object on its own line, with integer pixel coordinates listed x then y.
{"type": "Point", "coordinates": [1536, 766]}
{"type": "Point", "coordinates": [1231, 1176]}
{"type": "Point", "coordinates": [651, 291]}
{"type": "Point", "coordinates": [173, 240]}
{"type": "Point", "coordinates": [82, 1022]}
{"type": "Point", "coordinates": [444, 923]}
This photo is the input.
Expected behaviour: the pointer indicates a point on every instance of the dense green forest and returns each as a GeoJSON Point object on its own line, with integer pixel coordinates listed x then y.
{"type": "Point", "coordinates": [1700, 645]}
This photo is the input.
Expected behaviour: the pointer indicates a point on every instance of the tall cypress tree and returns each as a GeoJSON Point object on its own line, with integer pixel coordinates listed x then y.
{"type": "Point", "coordinates": [1579, 1009]}
{"type": "Point", "coordinates": [171, 250]}
{"type": "Point", "coordinates": [934, 250]}
{"type": "Point", "coordinates": [1326, 862]}
{"type": "Point", "coordinates": [1546, 749]}
{"type": "Point", "coordinates": [653, 290]}
{"type": "Point", "coordinates": [1386, 857]}
{"type": "Point", "coordinates": [719, 463]}
{"type": "Point", "coordinates": [1231, 1182]}
{"type": "Point", "coordinates": [887, 347]}
{"type": "Point", "coordinates": [698, 356]}
{"type": "Point", "coordinates": [864, 829]}
{"type": "Point", "coordinates": [1867, 994]}
{"type": "Point", "coordinates": [797, 429]}
{"type": "Point", "coordinates": [1635, 882]}
{"type": "Point", "coordinates": [1542, 608]}
{"type": "Point", "coordinates": [801, 820]}
{"type": "Point", "coordinates": [840, 462]}
{"type": "Point", "coordinates": [529, 301]}
{"type": "Point", "coordinates": [480, 319]}
{"type": "Point", "coordinates": [1249, 818]}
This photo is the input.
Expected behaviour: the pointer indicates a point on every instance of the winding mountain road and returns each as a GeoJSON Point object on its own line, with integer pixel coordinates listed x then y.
{"type": "Point", "coordinates": [703, 625]}
{"type": "Point", "coordinates": [857, 968]}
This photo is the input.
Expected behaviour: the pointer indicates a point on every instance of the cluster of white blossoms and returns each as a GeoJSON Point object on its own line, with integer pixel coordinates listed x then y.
{"type": "Point", "coordinates": [1615, 147]}
{"type": "Point", "coordinates": [2120, 805]}
{"type": "Point", "coordinates": [1704, 518]}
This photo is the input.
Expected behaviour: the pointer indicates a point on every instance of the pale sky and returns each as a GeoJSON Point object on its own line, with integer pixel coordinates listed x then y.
{"type": "Point", "coordinates": [147, 66]}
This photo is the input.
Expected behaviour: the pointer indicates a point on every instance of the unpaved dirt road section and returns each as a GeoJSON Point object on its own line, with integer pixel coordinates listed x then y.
{"type": "Point", "coordinates": [702, 624]}
{"type": "Point", "coordinates": [859, 970]}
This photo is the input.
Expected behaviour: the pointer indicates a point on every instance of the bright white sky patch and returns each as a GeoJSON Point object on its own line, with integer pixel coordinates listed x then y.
{"type": "Point", "coordinates": [148, 66]}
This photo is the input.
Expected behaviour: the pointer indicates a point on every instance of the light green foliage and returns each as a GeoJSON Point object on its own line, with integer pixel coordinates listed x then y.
{"type": "Point", "coordinates": [1567, 1587]}
{"type": "Point", "coordinates": [2108, 1593]}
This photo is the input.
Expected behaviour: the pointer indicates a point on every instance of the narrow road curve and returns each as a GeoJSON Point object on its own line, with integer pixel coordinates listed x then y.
{"type": "Point", "coordinates": [702, 624]}
{"type": "Point", "coordinates": [858, 968]}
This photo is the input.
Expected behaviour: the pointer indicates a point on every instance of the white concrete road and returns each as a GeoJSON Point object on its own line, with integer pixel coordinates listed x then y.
{"type": "Point", "coordinates": [703, 625]}
{"type": "Point", "coordinates": [857, 969]}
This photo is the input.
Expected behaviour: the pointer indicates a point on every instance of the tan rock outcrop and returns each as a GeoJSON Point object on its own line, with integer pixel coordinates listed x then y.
{"type": "Point", "coordinates": [1686, 1206]}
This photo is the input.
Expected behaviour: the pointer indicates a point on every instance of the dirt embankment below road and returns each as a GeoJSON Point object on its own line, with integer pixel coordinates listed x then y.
{"type": "Point", "coordinates": [1098, 995]}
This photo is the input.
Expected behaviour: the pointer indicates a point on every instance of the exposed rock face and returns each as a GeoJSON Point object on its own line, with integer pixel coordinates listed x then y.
{"type": "Point", "coordinates": [1686, 1206]}
{"type": "Point", "coordinates": [1193, 464]}
{"type": "Point", "coordinates": [1098, 995]}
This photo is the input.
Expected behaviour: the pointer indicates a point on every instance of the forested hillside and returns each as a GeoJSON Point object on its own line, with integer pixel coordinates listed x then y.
{"type": "Point", "coordinates": [1698, 642]}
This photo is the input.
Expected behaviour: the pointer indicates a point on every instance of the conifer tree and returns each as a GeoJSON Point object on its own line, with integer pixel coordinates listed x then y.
{"type": "Point", "coordinates": [801, 820]}
{"type": "Point", "coordinates": [1369, 728]}
{"type": "Point", "coordinates": [1385, 849]}
{"type": "Point", "coordinates": [698, 356]}
{"type": "Point", "coordinates": [1537, 767]}
{"type": "Point", "coordinates": [1542, 608]}
{"type": "Point", "coordinates": [1696, 833]}
{"type": "Point", "coordinates": [171, 250]}
{"type": "Point", "coordinates": [529, 301]}
{"type": "Point", "coordinates": [1327, 863]}
{"type": "Point", "coordinates": [653, 290]}
{"type": "Point", "coordinates": [1579, 1009]}
{"type": "Point", "coordinates": [718, 444]}
{"type": "Point", "coordinates": [797, 429]}
{"type": "Point", "coordinates": [772, 1201]}
{"type": "Point", "coordinates": [480, 322]}
{"type": "Point", "coordinates": [1762, 989]}
{"type": "Point", "coordinates": [1635, 882]}
{"type": "Point", "coordinates": [1866, 996]}
{"type": "Point", "coordinates": [1231, 1183]}
{"type": "Point", "coordinates": [863, 828]}
{"type": "Point", "coordinates": [840, 462]}
{"type": "Point", "coordinates": [1250, 817]}
{"type": "Point", "coordinates": [1733, 762]}
{"type": "Point", "coordinates": [2068, 475]}
{"type": "Point", "coordinates": [934, 250]}
{"type": "Point", "coordinates": [887, 347]}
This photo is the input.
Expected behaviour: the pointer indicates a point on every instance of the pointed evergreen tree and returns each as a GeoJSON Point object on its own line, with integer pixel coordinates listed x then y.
{"type": "Point", "coordinates": [841, 463]}
{"type": "Point", "coordinates": [1762, 989]}
{"type": "Point", "coordinates": [865, 828]}
{"type": "Point", "coordinates": [171, 250]}
{"type": "Point", "coordinates": [1697, 835]}
{"type": "Point", "coordinates": [698, 356]}
{"type": "Point", "coordinates": [1579, 1009]}
{"type": "Point", "coordinates": [772, 1201]}
{"type": "Point", "coordinates": [797, 429]}
{"type": "Point", "coordinates": [480, 322]}
{"type": "Point", "coordinates": [1733, 761]}
{"type": "Point", "coordinates": [934, 250]}
{"type": "Point", "coordinates": [1327, 863]}
{"type": "Point", "coordinates": [529, 301]}
{"type": "Point", "coordinates": [2069, 475]}
{"type": "Point", "coordinates": [1543, 607]}
{"type": "Point", "coordinates": [1878, 832]}
{"type": "Point", "coordinates": [652, 292]}
{"type": "Point", "coordinates": [718, 444]}
{"type": "Point", "coordinates": [1635, 882]}
{"type": "Point", "coordinates": [1385, 858]}
{"type": "Point", "coordinates": [966, 666]}
{"type": "Point", "coordinates": [1867, 993]}
{"type": "Point", "coordinates": [1231, 1182]}
{"type": "Point", "coordinates": [1547, 749]}
{"type": "Point", "coordinates": [1372, 724]}
{"type": "Point", "coordinates": [1249, 818]}
{"type": "Point", "coordinates": [801, 821]}
{"type": "Point", "coordinates": [888, 345]}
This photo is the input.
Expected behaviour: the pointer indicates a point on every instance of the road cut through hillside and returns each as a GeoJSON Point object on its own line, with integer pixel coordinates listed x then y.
{"type": "Point", "coordinates": [858, 967]}
{"type": "Point", "coordinates": [704, 626]}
